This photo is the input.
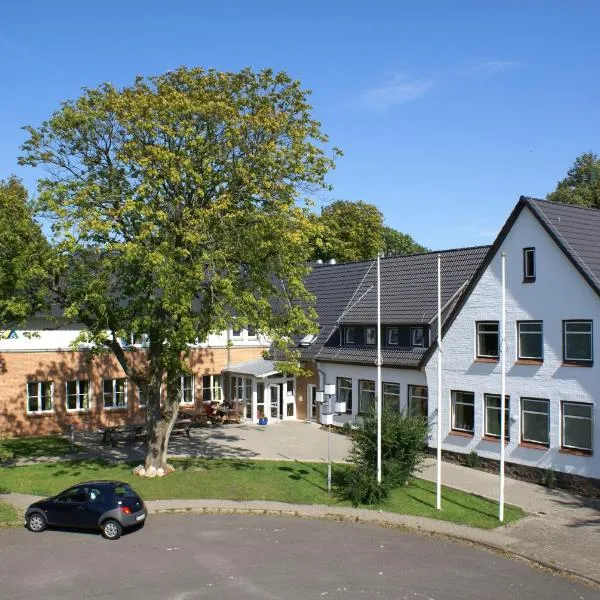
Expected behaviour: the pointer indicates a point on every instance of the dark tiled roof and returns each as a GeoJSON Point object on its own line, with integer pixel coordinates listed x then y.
{"type": "Point", "coordinates": [577, 229]}
{"type": "Point", "coordinates": [402, 357]}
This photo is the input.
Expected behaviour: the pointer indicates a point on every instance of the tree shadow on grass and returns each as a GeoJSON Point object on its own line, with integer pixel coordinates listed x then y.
{"type": "Point", "coordinates": [211, 464]}
{"type": "Point", "coordinates": [297, 474]}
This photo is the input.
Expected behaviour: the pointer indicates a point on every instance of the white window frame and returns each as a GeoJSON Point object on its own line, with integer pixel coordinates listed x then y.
{"type": "Point", "coordinates": [39, 397]}
{"type": "Point", "coordinates": [564, 419]}
{"type": "Point", "coordinates": [486, 398]}
{"type": "Point", "coordinates": [534, 412]}
{"type": "Point", "coordinates": [395, 394]}
{"type": "Point", "coordinates": [478, 333]}
{"type": "Point", "coordinates": [114, 393]}
{"type": "Point", "coordinates": [540, 334]}
{"type": "Point", "coordinates": [216, 390]}
{"type": "Point", "coordinates": [576, 322]}
{"type": "Point", "coordinates": [347, 336]}
{"type": "Point", "coordinates": [183, 388]}
{"type": "Point", "coordinates": [78, 395]}
{"type": "Point", "coordinates": [454, 403]}
{"type": "Point", "coordinates": [413, 396]}
{"type": "Point", "coordinates": [372, 393]}
{"type": "Point", "coordinates": [414, 331]}
{"type": "Point", "coordinates": [372, 330]}
{"type": "Point", "coordinates": [389, 332]}
{"type": "Point", "coordinates": [528, 276]}
{"type": "Point", "coordinates": [341, 383]}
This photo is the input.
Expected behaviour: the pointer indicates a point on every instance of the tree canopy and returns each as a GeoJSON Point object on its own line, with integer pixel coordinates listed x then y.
{"type": "Point", "coordinates": [351, 231]}
{"type": "Point", "coordinates": [177, 210]}
{"type": "Point", "coordinates": [23, 255]}
{"type": "Point", "coordinates": [581, 186]}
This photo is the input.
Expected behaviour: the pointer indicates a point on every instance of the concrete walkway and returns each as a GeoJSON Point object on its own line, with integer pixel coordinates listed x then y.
{"type": "Point", "coordinates": [560, 531]}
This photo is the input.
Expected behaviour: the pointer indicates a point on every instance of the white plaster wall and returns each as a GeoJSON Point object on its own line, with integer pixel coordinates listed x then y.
{"type": "Point", "coordinates": [558, 293]}
{"type": "Point", "coordinates": [404, 377]}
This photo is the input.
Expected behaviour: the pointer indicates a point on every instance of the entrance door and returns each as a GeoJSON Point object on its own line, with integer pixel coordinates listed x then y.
{"type": "Point", "coordinates": [274, 392]}
{"type": "Point", "coordinates": [312, 402]}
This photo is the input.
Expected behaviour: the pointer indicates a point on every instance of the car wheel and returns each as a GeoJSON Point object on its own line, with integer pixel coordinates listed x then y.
{"type": "Point", "coordinates": [111, 530]}
{"type": "Point", "coordinates": [36, 522]}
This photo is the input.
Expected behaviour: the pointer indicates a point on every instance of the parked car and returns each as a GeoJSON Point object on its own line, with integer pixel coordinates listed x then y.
{"type": "Point", "coordinates": [109, 506]}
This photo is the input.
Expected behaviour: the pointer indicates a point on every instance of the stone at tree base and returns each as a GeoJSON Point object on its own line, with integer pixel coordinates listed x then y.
{"type": "Point", "coordinates": [140, 471]}
{"type": "Point", "coordinates": [169, 469]}
{"type": "Point", "coordinates": [151, 471]}
{"type": "Point", "coordinates": [160, 472]}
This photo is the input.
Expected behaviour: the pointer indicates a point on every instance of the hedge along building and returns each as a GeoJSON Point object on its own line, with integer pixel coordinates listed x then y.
{"type": "Point", "coordinates": [46, 386]}
{"type": "Point", "coordinates": [552, 314]}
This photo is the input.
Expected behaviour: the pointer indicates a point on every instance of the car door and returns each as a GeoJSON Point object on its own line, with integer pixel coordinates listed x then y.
{"type": "Point", "coordinates": [97, 503]}
{"type": "Point", "coordinates": [68, 507]}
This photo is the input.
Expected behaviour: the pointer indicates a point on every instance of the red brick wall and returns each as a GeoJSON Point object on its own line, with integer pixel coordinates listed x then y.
{"type": "Point", "coordinates": [17, 368]}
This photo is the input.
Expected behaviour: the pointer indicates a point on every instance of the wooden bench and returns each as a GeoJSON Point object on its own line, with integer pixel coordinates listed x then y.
{"type": "Point", "coordinates": [132, 432]}
{"type": "Point", "coordinates": [182, 426]}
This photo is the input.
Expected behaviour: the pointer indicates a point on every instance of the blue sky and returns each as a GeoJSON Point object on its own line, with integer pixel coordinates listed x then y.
{"type": "Point", "coordinates": [446, 111]}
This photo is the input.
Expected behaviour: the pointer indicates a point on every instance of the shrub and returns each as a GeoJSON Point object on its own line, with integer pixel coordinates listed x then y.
{"type": "Point", "coordinates": [549, 477]}
{"type": "Point", "coordinates": [347, 428]}
{"type": "Point", "coordinates": [5, 453]}
{"type": "Point", "coordinates": [473, 460]}
{"type": "Point", "coordinates": [402, 450]}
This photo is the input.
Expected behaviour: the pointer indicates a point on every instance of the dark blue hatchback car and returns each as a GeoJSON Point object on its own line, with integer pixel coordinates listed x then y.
{"type": "Point", "coordinates": [109, 506]}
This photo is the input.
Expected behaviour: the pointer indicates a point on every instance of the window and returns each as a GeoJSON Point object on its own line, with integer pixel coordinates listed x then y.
{"type": "Point", "coordinates": [366, 395]}
{"type": "Point", "coordinates": [492, 415]}
{"type": "Point", "coordinates": [344, 392]}
{"type": "Point", "coordinates": [487, 339]}
{"type": "Point", "coordinates": [417, 400]}
{"type": "Point", "coordinates": [391, 396]}
{"type": "Point", "coordinates": [350, 335]}
{"type": "Point", "coordinates": [531, 340]}
{"type": "Point", "coordinates": [463, 411]}
{"type": "Point", "coordinates": [577, 426]}
{"type": "Point", "coordinates": [370, 336]}
{"type": "Point", "coordinates": [535, 420]}
{"type": "Point", "coordinates": [528, 264]}
{"type": "Point", "coordinates": [114, 393]}
{"type": "Point", "coordinates": [78, 395]}
{"type": "Point", "coordinates": [39, 396]}
{"type": "Point", "coordinates": [187, 389]}
{"type": "Point", "coordinates": [211, 388]}
{"type": "Point", "coordinates": [236, 332]}
{"type": "Point", "coordinates": [251, 330]}
{"type": "Point", "coordinates": [577, 342]}
{"type": "Point", "coordinates": [394, 336]}
{"type": "Point", "coordinates": [417, 336]}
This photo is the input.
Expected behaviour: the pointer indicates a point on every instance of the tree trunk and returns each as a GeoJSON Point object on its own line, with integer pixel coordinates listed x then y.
{"type": "Point", "coordinates": [159, 426]}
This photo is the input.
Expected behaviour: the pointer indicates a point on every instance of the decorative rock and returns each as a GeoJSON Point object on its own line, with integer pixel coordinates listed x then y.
{"type": "Point", "coordinates": [160, 472]}
{"type": "Point", "coordinates": [151, 471]}
{"type": "Point", "coordinates": [169, 469]}
{"type": "Point", "coordinates": [140, 471]}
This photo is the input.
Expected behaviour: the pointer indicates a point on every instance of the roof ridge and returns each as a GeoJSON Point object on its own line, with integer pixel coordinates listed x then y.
{"type": "Point", "coordinates": [552, 202]}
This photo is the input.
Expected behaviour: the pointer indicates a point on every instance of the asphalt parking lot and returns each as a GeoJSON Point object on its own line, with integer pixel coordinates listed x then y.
{"type": "Point", "coordinates": [240, 557]}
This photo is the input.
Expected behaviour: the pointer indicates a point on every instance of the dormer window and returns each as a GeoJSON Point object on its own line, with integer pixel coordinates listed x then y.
{"type": "Point", "coordinates": [350, 335]}
{"type": "Point", "coordinates": [417, 336]}
{"type": "Point", "coordinates": [394, 336]}
{"type": "Point", "coordinates": [370, 336]}
{"type": "Point", "coordinates": [528, 265]}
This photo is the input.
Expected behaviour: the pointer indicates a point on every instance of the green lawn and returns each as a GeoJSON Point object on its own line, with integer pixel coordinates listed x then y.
{"type": "Point", "coordinates": [8, 515]}
{"type": "Point", "coordinates": [38, 446]}
{"type": "Point", "coordinates": [295, 482]}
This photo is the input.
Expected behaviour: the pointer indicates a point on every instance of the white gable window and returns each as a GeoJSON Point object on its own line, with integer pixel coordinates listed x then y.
{"type": "Point", "coordinates": [78, 395]}
{"type": "Point", "coordinates": [531, 343]}
{"type": "Point", "coordinates": [114, 393]}
{"type": "Point", "coordinates": [487, 339]}
{"type": "Point", "coordinates": [577, 426]}
{"type": "Point", "coordinates": [39, 397]}
{"type": "Point", "coordinates": [528, 265]}
{"type": "Point", "coordinates": [577, 342]}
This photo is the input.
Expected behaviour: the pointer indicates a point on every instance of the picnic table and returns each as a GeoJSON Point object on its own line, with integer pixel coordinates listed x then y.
{"type": "Point", "coordinates": [133, 431]}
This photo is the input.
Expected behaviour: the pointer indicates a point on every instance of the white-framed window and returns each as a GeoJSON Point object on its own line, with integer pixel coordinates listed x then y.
{"type": "Point", "coordinates": [531, 340]}
{"type": "Point", "coordinates": [393, 336]}
{"type": "Point", "coordinates": [488, 339]}
{"type": "Point", "coordinates": [417, 336]}
{"type": "Point", "coordinates": [78, 395]}
{"type": "Point", "coordinates": [391, 396]}
{"type": "Point", "coordinates": [529, 264]}
{"type": "Point", "coordinates": [344, 392]}
{"type": "Point", "coordinates": [114, 393]}
{"type": "Point", "coordinates": [417, 400]}
{"type": "Point", "coordinates": [142, 401]}
{"type": "Point", "coordinates": [578, 342]}
{"type": "Point", "coordinates": [40, 397]}
{"type": "Point", "coordinates": [577, 426]}
{"type": "Point", "coordinates": [211, 388]}
{"type": "Point", "coordinates": [236, 332]}
{"type": "Point", "coordinates": [251, 331]}
{"type": "Point", "coordinates": [493, 409]}
{"type": "Point", "coordinates": [535, 420]}
{"type": "Point", "coordinates": [463, 411]}
{"type": "Point", "coordinates": [187, 389]}
{"type": "Point", "coordinates": [350, 335]}
{"type": "Point", "coordinates": [370, 336]}
{"type": "Point", "coordinates": [366, 395]}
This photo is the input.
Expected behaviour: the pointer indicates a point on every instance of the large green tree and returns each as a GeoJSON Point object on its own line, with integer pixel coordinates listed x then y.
{"type": "Point", "coordinates": [351, 231]}
{"type": "Point", "coordinates": [177, 210]}
{"type": "Point", "coordinates": [581, 186]}
{"type": "Point", "coordinates": [23, 257]}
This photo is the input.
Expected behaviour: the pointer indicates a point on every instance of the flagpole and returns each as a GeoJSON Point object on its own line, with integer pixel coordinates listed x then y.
{"type": "Point", "coordinates": [502, 390]}
{"type": "Point", "coordinates": [378, 369]}
{"type": "Point", "coordinates": [439, 389]}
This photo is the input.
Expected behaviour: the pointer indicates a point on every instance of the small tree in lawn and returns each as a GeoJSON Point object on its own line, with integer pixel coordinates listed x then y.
{"type": "Point", "coordinates": [178, 209]}
{"type": "Point", "coordinates": [403, 441]}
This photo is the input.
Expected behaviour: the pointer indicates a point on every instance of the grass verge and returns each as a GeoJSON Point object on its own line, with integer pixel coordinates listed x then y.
{"type": "Point", "coordinates": [39, 446]}
{"type": "Point", "coordinates": [9, 516]}
{"type": "Point", "coordinates": [294, 482]}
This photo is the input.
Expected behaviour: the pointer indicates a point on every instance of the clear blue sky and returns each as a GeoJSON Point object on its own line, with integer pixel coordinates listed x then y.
{"type": "Point", "coordinates": [446, 111]}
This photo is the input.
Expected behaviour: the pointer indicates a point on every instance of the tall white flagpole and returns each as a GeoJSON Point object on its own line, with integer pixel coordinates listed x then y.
{"type": "Point", "coordinates": [502, 390]}
{"type": "Point", "coordinates": [378, 369]}
{"type": "Point", "coordinates": [439, 389]}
